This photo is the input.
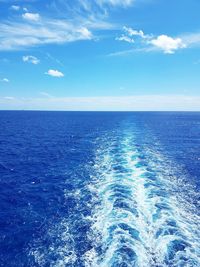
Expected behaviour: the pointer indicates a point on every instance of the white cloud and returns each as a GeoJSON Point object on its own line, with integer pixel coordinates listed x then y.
{"type": "Point", "coordinates": [84, 32]}
{"type": "Point", "coordinates": [109, 103]}
{"type": "Point", "coordinates": [55, 73]}
{"type": "Point", "coordinates": [123, 3]}
{"type": "Point", "coordinates": [15, 36]}
{"type": "Point", "coordinates": [168, 44]}
{"type": "Point", "coordinates": [14, 7]}
{"type": "Point", "coordinates": [132, 32]}
{"type": "Point", "coordinates": [148, 43]}
{"type": "Point", "coordinates": [129, 33]}
{"type": "Point", "coordinates": [31, 59]}
{"type": "Point", "coordinates": [125, 39]}
{"type": "Point", "coordinates": [78, 20]}
{"type": "Point", "coordinates": [31, 16]}
{"type": "Point", "coordinates": [5, 80]}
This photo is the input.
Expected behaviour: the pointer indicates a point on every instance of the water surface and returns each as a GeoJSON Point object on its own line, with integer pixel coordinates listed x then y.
{"type": "Point", "coordinates": [99, 189]}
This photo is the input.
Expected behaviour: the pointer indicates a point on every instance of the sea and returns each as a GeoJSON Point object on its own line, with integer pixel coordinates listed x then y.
{"type": "Point", "coordinates": [99, 189]}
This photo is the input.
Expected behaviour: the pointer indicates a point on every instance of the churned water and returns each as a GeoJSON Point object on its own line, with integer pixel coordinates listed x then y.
{"type": "Point", "coordinates": [99, 189]}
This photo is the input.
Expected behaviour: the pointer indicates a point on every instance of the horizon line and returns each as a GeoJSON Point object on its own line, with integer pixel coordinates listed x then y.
{"type": "Point", "coordinates": [109, 111]}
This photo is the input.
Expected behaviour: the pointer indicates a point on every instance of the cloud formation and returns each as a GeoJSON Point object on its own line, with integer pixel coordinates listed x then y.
{"type": "Point", "coordinates": [83, 18]}
{"type": "Point", "coordinates": [147, 43]}
{"type": "Point", "coordinates": [130, 34]}
{"type": "Point", "coordinates": [78, 19]}
{"type": "Point", "coordinates": [31, 59]}
{"type": "Point", "coordinates": [54, 73]}
{"type": "Point", "coordinates": [31, 16]}
{"type": "Point", "coordinates": [168, 44]}
{"type": "Point", "coordinates": [109, 103]}
{"type": "Point", "coordinates": [123, 3]}
{"type": "Point", "coordinates": [17, 35]}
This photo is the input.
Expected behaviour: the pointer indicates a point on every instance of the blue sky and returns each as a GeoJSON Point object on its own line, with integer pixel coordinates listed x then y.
{"type": "Point", "coordinates": [100, 54]}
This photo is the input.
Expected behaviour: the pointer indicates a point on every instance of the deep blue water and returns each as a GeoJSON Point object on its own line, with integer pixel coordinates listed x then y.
{"type": "Point", "coordinates": [99, 189]}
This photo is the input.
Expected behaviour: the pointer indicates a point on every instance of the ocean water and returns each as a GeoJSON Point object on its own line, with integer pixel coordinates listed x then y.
{"type": "Point", "coordinates": [99, 189]}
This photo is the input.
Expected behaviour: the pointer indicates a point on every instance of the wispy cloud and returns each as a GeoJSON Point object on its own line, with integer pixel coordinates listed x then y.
{"type": "Point", "coordinates": [129, 35]}
{"type": "Point", "coordinates": [191, 39]}
{"type": "Point", "coordinates": [84, 19]}
{"type": "Point", "coordinates": [109, 103]}
{"type": "Point", "coordinates": [5, 80]}
{"type": "Point", "coordinates": [78, 20]}
{"type": "Point", "coordinates": [132, 32]}
{"type": "Point", "coordinates": [31, 59]}
{"type": "Point", "coordinates": [14, 7]}
{"type": "Point", "coordinates": [123, 3]}
{"type": "Point", "coordinates": [125, 38]}
{"type": "Point", "coordinates": [17, 35]}
{"type": "Point", "coordinates": [55, 73]}
{"type": "Point", "coordinates": [31, 16]}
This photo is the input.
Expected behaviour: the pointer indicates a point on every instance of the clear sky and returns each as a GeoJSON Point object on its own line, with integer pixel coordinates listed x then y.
{"type": "Point", "coordinates": [100, 54]}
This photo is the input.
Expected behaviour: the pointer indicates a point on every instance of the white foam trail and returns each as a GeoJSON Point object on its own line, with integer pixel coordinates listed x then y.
{"type": "Point", "coordinates": [139, 217]}
{"type": "Point", "coordinates": [139, 222]}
